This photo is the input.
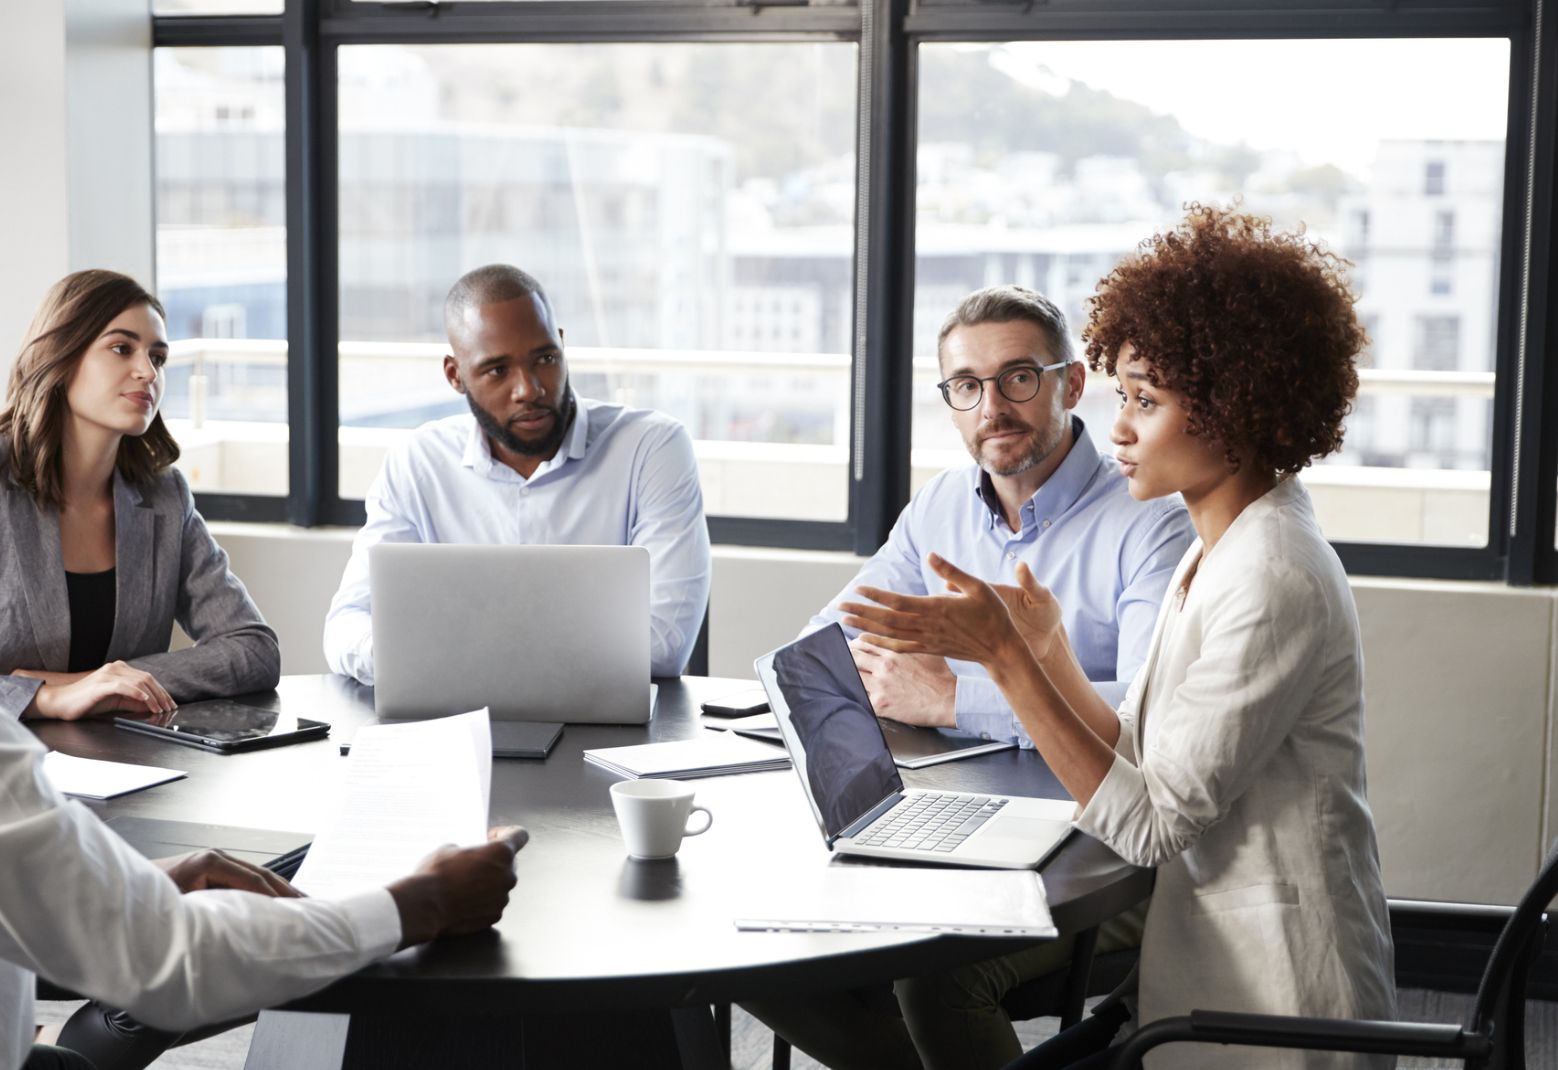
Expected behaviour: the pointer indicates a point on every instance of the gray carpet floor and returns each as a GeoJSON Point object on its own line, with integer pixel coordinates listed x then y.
{"type": "Point", "coordinates": [752, 1044]}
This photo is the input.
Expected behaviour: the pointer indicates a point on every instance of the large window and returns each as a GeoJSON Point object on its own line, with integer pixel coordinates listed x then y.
{"type": "Point", "coordinates": [698, 255]}
{"type": "Point", "coordinates": [222, 263]}
{"type": "Point", "coordinates": [755, 216]}
{"type": "Point", "coordinates": [1042, 164]}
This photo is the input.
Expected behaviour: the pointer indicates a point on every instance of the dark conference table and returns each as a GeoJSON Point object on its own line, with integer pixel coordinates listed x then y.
{"type": "Point", "coordinates": [587, 928]}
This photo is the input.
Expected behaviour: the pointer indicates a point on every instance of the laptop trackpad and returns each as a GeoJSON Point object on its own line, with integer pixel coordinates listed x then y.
{"type": "Point", "coordinates": [1029, 832]}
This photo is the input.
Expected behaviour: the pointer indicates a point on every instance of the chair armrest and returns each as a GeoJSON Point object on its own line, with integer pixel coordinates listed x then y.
{"type": "Point", "coordinates": [1316, 1034]}
{"type": "Point", "coordinates": [1434, 908]}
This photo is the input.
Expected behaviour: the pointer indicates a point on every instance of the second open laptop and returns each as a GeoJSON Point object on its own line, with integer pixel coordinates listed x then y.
{"type": "Point", "coordinates": [534, 633]}
{"type": "Point", "coordinates": [859, 800]}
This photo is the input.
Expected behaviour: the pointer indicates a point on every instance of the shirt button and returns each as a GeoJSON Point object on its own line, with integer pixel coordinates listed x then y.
{"type": "Point", "coordinates": [1011, 555]}
{"type": "Point", "coordinates": [524, 491]}
{"type": "Point", "coordinates": [1046, 523]}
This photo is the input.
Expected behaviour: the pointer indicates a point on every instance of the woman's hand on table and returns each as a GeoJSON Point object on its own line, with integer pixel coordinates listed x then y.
{"type": "Point", "coordinates": [115, 686]}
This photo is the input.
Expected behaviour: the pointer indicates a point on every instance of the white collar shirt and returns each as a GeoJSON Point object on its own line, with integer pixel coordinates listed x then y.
{"type": "Point", "coordinates": [621, 477]}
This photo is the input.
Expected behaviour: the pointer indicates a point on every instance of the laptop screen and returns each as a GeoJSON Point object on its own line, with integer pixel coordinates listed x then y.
{"type": "Point", "coordinates": [829, 727]}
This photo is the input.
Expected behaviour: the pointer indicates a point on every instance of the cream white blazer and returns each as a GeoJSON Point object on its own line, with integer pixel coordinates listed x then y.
{"type": "Point", "coordinates": [1239, 774]}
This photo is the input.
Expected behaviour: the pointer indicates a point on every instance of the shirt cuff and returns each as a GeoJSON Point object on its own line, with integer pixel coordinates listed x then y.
{"type": "Point", "coordinates": [375, 920]}
{"type": "Point", "coordinates": [1114, 815]}
{"type": "Point", "coordinates": [1125, 742]}
{"type": "Point", "coordinates": [16, 694]}
{"type": "Point", "coordinates": [981, 710]}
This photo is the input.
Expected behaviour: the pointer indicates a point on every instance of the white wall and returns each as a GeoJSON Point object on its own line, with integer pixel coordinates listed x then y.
{"type": "Point", "coordinates": [1459, 689]}
{"type": "Point", "coordinates": [76, 120]}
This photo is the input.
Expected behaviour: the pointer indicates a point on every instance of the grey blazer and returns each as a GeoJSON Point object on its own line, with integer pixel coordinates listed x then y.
{"type": "Point", "coordinates": [168, 569]}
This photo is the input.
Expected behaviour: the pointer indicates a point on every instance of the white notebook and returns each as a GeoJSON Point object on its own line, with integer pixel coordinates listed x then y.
{"type": "Point", "coordinates": [852, 898]}
{"type": "Point", "coordinates": [91, 778]}
{"type": "Point", "coordinates": [713, 754]}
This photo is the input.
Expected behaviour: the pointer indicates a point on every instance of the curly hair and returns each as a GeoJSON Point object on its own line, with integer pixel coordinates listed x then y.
{"type": "Point", "coordinates": [1254, 328]}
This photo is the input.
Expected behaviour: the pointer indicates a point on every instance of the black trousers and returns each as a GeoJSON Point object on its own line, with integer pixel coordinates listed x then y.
{"type": "Point", "coordinates": [110, 1039]}
{"type": "Point", "coordinates": [48, 1057]}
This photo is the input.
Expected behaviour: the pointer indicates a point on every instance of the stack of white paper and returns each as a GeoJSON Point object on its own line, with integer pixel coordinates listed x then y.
{"type": "Point", "coordinates": [856, 898]}
{"type": "Point", "coordinates": [91, 778]}
{"type": "Point", "coordinates": [410, 789]}
{"type": "Point", "coordinates": [686, 759]}
{"type": "Point", "coordinates": [758, 726]}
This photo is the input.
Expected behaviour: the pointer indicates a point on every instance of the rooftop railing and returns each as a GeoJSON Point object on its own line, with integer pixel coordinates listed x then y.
{"type": "Point", "coordinates": [384, 383]}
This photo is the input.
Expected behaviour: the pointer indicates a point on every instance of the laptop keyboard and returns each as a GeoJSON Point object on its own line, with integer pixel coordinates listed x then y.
{"type": "Point", "coordinates": [934, 822]}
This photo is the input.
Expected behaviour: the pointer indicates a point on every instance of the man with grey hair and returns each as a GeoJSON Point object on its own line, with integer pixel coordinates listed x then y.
{"type": "Point", "coordinates": [533, 463]}
{"type": "Point", "coordinates": [1038, 493]}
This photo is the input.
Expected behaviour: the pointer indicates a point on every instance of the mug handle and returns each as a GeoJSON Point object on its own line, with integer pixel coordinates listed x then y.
{"type": "Point", "coordinates": [704, 810]}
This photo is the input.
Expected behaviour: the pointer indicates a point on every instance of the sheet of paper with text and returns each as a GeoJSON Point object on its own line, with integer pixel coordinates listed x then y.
{"type": "Point", "coordinates": [410, 789]}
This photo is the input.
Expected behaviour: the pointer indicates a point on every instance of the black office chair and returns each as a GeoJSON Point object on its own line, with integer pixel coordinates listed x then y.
{"type": "Point", "coordinates": [1493, 1037]}
{"type": "Point", "coordinates": [698, 663]}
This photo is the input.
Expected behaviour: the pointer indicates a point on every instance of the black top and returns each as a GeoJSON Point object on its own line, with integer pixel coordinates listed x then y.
{"type": "Point", "coordinates": [91, 618]}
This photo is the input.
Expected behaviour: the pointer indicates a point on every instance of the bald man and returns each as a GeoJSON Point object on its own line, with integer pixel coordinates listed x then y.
{"type": "Point", "coordinates": [533, 463]}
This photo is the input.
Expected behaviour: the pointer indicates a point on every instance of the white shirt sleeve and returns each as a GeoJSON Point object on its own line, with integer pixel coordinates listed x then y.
{"type": "Point", "coordinates": [349, 622]}
{"type": "Point", "coordinates": [668, 521]}
{"type": "Point", "coordinates": [82, 908]}
{"type": "Point", "coordinates": [894, 567]}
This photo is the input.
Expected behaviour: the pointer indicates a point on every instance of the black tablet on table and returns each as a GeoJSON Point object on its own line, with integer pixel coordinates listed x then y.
{"type": "Point", "coordinates": [226, 726]}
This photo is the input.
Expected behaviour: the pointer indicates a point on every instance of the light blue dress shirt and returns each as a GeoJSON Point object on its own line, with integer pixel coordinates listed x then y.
{"type": "Point", "coordinates": [622, 477]}
{"type": "Point", "coordinates": [1107, 557]}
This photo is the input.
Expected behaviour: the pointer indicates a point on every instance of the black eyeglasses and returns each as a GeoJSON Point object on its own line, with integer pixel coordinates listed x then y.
{"type": "Point", "coordinates": [1019, 384]}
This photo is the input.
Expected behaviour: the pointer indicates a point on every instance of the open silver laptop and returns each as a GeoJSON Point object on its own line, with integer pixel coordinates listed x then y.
{"type": "Point", "coordinates": [534, 633]}
{"type": "Point", "coordinates": [860, 803]}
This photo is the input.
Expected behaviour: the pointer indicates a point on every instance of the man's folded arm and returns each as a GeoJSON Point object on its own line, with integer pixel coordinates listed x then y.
{"type": "Point", "coordinates": [1147, 564]}
{"type": "Point", "coordinates": [983, 711]}
{"type": "Point", "coordinates": [897, 566]}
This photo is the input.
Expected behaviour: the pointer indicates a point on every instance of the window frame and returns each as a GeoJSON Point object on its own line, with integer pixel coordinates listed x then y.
{"type": "Point", "coordinates": [1524, 461]}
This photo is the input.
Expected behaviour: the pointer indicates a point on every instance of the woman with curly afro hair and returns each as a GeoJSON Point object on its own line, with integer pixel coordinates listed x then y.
{"type": "Point", "coordinates": [1235, 762]}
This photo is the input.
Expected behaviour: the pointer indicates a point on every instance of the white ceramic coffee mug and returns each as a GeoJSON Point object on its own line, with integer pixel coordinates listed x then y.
{"type": "Point", "coordinates": [653, 816]}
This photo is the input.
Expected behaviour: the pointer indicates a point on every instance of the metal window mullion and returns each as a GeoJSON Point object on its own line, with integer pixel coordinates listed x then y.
{"type": "Point", "coordinates": [311, 266]}
{"type": "Point", "coordinates": [884, 275]}
{"type": "Point", "coordinates": [581, 21]}
{"type": "Point", "coordinates": [1207, 19]}
{"type": "Point", "coordinates": [1533, 434]}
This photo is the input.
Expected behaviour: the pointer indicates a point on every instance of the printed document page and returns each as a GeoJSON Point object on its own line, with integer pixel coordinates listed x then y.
{"type": "Point", "coordinates": [410, 789]}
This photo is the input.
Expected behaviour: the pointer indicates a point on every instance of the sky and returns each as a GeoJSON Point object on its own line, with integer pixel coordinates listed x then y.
{"type": "Point", "coordinates": [1329, 101]}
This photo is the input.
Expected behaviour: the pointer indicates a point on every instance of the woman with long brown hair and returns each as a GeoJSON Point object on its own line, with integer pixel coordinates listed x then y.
{"type": "Point", "coordinates": [101, 551]}
{"type": "Point", "coordinates": [104, 548]}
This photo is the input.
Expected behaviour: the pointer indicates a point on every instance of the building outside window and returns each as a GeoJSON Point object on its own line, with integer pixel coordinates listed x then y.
{"type": "Point", "coordinates": [222, 262]}
{"type": "Point", "coordinates": [1036, 158]}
